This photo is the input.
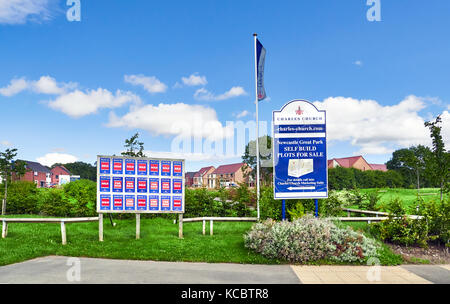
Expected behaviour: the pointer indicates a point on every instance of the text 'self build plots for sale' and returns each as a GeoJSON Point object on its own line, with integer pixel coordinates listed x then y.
{"type": "Point", "coordinates": [139, 185]}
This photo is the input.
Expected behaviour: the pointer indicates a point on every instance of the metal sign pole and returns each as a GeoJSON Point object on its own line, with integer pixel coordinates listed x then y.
{"type": "Point", "coordinates": [316, 202]}
{"type": "Point", "coordinates": [283, 210]}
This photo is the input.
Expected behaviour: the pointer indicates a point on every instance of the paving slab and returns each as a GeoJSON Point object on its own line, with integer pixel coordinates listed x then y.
{"type": "Point", "coordinates": [57, 269]}
{"type": "Point", "coordinates": [356, 275]}
{"type": "Point", "coordinates": [433, 273]}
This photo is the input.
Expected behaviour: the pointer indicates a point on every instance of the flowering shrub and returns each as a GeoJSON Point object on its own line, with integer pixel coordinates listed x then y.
{"type": "Point", "coordinates": [309, 239]}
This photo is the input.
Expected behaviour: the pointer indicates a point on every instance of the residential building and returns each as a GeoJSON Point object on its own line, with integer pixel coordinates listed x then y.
{"type": "Point", "coordinates": [357, 162]}
{"type": "Point", "coordinates": [189, 179]}
{"type": "Point", "coordinates": [60, 176]}
{"type": "Point", "coordinates": [37, 173]}
{"type": "Point", "coordinates": [229, 175]}
{"type": "Point", "coordinates": [200, 178]}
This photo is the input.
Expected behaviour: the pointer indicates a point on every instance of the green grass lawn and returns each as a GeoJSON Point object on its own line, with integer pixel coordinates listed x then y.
{"type": "Point", "coordinates": [408, 196]}
{"type": "Point", "coordinates": [159, 241]}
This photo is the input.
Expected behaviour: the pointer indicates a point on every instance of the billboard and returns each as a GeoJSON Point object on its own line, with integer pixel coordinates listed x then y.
{"type": "Point", "coordinates": [300, 152]}
{"type": "Point", "coordinates": [140, 185]}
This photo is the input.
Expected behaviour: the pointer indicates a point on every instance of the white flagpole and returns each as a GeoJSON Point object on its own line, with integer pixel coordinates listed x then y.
{"type": "Point", "coordinates": [257, 128]}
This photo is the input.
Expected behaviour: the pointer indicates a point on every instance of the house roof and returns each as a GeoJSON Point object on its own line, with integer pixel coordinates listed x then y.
{"type": "Point", "coordinates": [380, 167]}
{"type": "Point", "coordinates": [190, 174]}
{"type": "Point", "coordinates": [35, 166]}
{"type": "Point", "coordinates": [226, 169]}
{"type": "Point", "coordinates": [64, 168]}
{"type": "Point", "coordinates": [202, 171]}
{"type": "Point", "coordinates": [346, 162]}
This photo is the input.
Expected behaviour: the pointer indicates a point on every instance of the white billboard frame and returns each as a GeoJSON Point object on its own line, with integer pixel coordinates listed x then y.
{"type": "Point", "coordinates": [135, 194]}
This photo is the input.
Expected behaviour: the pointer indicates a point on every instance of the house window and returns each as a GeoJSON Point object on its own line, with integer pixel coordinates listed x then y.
{"type": "Point", "coordinates": [56, 176]}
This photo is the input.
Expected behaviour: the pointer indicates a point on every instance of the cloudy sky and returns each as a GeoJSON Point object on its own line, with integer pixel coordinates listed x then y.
{"type": "Point", "coordinates": [176, 69]}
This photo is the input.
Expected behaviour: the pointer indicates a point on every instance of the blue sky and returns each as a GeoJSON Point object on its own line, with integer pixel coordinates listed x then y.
{"type": "Point", "coordinates": [72, 90]}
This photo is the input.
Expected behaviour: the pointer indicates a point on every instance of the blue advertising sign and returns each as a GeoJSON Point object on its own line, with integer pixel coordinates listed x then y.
{"type": "Point", "coordinates": [129, 202]}
{"type": "Point", "coordinates": [142, 185]}
{"type": "Point", "coordinates": [165, 185]}
{"type": "Point", "coordinates": [165, 203]}
{"type": "Point", "coordinates": [130, 184]}
{"type": "Point", "coordinates": [177, 168]}
{"type": "Point", "coordinates": [165, 167]}
{"type": "Point", "coordinates": [154, 167]}
{"type": "Point", "coordinates": [153, 185]}
{"type": "Point", "coordinates": [105, 165]}
{"type": "Point", "coordinates": [153, 202]}
{"type": "Point", "coordinates": [118, 202]}
{"type": "Point", "coordinates": [117, 184]}
{"type": "Point", "coordinates": [177, 186]}
{"type": "Point", "coordinates": [177, 203]}
{"type": "Point", "coordinates": [130, 166]}
{"type": "Point", "coordinates": [142, 167]}
{"type": "Point", "coordinates": [105, 202]}
{"type": "Point", "coordinates": [117, 166]}
{"type": "Point", "coordinates": [142, 202]}
{"type": "Point", "coordinates": [105, 184]}
{"type": "Point", "coordinates": [300, 152]}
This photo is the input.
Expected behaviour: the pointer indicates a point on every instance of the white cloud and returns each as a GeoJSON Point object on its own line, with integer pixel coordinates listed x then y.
{"type": "Point", "coordinates": [358, 63]}
{"type": "Point", "coordinates": [77, 103]}
{"type": "Point", "coordinates": [5, 143]}
{"type": "Point", "coordinates": [21, 11]}
{"type": "Point", "coordinates": [174, 119]}
{"type": "Point", "coordinates": [150, 83]}
{"type": "Point", "coordinates": [16, 86]}
{"type": "Point", "coordinates": [205, 95]}
{"type": "Point", "coordinates": [194, 80]}
{"type": "Point", "coordinates": [52, 158]}
{"type": "Point", "coordinates": [378, 129]}
{"type": "Point", "coordinates": [45, 85]}
{"type": "Point", "coordinates": [242, 114]}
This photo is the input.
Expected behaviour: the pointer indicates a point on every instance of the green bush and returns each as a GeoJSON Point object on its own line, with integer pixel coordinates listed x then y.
{"type": "Point", "coordinates": [82, 197]}
{"type": "Point", "coordinates": [22, 198]}
{"type": "Point", "coordinates": [400, 229]}
{"type": "Point", "coordinates": [437, 215]}
{"type": "Point", "coordinates": [309, 239]}
{"type": "Point", "coordinates": [332, 206]}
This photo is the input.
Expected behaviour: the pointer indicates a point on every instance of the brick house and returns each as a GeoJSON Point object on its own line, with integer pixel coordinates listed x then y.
{"type": "Point", "coordinates": [60, 175]}
{"type": "Point", "coordinates": [189, 179]}
{"type": "Point", "coordinates": [36, 173]}
{"type": "Point", "coordinates": [201, 177]}
{"type": "Point", "coordinates": [229, 175]}
{"type": "Point", "coordinates": [357, 162]}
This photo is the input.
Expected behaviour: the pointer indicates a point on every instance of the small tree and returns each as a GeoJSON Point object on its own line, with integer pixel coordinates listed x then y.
{"type": "Point", "coordinates": [265, 158]}
{"type": "Point", "coordinates": [134, 147]}
{"type": "Point", "coordinates": [438, 164]}
{"type": "Point", "coordinates": [7, 167]}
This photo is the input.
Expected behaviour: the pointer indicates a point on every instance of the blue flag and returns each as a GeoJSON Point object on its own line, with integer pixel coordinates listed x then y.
{"type": "Point", "coordinates": [260, 60]}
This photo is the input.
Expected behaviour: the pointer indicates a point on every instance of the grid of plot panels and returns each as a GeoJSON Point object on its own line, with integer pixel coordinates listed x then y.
{"type": "Point", "coordinates": [139, 185]}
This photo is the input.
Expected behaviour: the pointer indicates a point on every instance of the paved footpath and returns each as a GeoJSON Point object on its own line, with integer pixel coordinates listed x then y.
{"type": "Point", "coordinates": [58, 269]}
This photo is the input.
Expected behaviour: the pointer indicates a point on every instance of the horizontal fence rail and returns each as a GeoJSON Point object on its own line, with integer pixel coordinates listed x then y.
{"type": "Point", "coordinates": [217, 219]}
{"type": "Point", "coordinates": [6, 220]}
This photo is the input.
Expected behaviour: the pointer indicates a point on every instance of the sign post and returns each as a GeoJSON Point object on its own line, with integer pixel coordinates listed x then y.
{"type": "Point", "coordinates": [300, 152]}
{"type": "Point", "coordinates": [139, 185]}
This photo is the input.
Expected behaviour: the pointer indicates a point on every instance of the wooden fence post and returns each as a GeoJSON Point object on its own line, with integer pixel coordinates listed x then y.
{"type": "Point", "coordinates": [180, 225]}
{"type": "Point", "coordinates": [138, 226]}
{"type": "Point", "coordinates": [4, 229]}
{"type": "Point", "coordinates": [211, 224]}
{"type": "Point", "coordinates": [100, 227]}
{"type": "Point", "coordinates": [63, 233]}
{"type": "Point", "coordinates": [204, 226]}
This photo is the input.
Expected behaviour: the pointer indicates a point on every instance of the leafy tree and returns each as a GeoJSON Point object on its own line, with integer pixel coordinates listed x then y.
{"type": "Point", "coordinates": [84, 170]}
{"type": "Point", "coordinates": [134, 147]}
{"type": "Point", "coordinates": [265, 158]}
{"type": "Point", "coordinates": [7, 167]}
{"type": "Point", "coordinates": [438, 164]}
{"type": "Point", "coordinates": [411, 163]}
